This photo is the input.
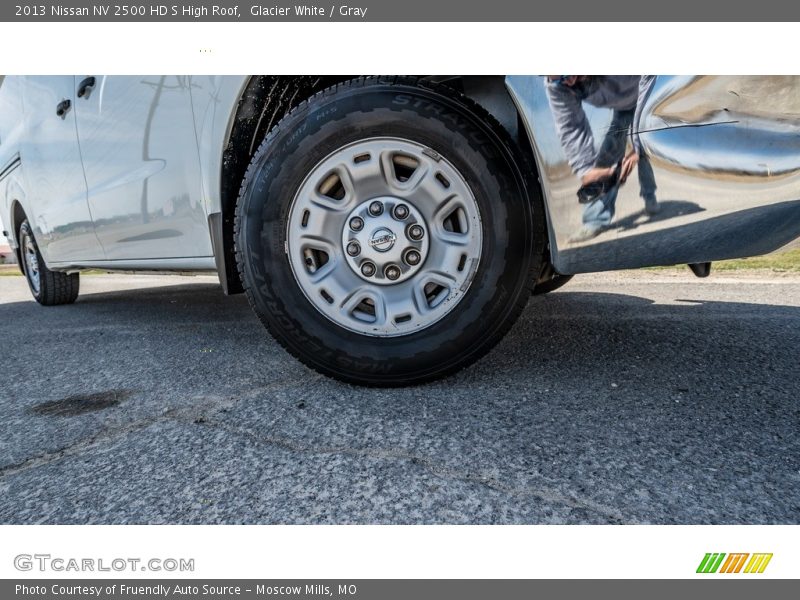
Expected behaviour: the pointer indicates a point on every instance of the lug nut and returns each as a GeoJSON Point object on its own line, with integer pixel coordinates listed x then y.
{"type": "Point", "coordinates": [376, 208]}
{"type": "Point", "coordinates": [356, 223]}
{"type": "Point", "coordinates": [353, 248]}
{"type": "Point", "coordinates": [400, 212]}
{"type": "Point", "coordinates": [367, 269]}
{"type": "Point", "coordinates": [416, 232]}
{"type": "Point", "coordinates": [392, 272]}
{"type": "Point", "coordinates": [412, 257]}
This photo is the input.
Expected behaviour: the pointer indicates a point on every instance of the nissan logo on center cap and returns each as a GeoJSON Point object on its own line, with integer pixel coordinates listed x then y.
{"type": "Point", "coordinates": [383, 239]}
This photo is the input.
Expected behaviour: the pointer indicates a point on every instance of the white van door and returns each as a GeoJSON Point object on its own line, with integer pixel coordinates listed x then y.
{"type": "Point", "coordinates": [142, 166]}
{"type": "Point", "coordinates": [51, 161]}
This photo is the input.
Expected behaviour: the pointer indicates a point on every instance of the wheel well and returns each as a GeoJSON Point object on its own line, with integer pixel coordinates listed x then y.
{"type": "Point", "coordinates": [17, 217]}
{"type": "Point", "coordinates": [266, 99]}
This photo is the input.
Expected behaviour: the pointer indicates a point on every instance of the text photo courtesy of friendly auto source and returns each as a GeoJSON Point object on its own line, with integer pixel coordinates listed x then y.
{"type": "Point", "coordinates": [385, 323]}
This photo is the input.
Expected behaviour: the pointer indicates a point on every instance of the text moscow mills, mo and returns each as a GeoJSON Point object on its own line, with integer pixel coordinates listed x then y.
{"type": "Point", "coordinates": [194, 11]}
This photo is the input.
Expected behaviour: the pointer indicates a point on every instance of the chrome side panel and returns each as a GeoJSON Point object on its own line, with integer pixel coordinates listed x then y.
{"type": "Point", "coordinates": [725, 152]}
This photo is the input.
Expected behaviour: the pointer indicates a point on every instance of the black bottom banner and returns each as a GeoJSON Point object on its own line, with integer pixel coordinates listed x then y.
{"type": "Point", "coordinates": [392, 589]}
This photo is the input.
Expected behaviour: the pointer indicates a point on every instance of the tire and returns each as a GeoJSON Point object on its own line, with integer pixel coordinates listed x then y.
{"type": "Point", "coordinates": [393, 122]}
{"type": "Point", "coordinates": [49, 288]}
{"type": "Point", "coordinates": [546, 286]}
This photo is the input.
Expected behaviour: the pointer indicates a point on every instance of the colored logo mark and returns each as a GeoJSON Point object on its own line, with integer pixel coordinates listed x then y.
{"type": "Point", "coordinates": [719, 562]}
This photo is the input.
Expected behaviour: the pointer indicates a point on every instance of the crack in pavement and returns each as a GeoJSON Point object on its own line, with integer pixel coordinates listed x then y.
{"type": "Point", "coordinates": [436, 468]}
{"type": "Point", "coordinates": [78, 447]}
{"type": "Point", "coordinates": [209, 404]}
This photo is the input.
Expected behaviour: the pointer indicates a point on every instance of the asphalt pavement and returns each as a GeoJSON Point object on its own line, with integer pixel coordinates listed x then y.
{"type": "Point", "coordinates": [622, 398]}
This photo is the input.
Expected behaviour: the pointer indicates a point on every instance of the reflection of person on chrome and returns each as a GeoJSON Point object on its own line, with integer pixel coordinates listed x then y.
{"type": "Point", "coordinates": [602, 171]}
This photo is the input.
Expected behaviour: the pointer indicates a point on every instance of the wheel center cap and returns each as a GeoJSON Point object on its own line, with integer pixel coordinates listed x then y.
{"type": "Point", "coordinates": [382, 239]}
{"type": "Point", "coordinates": [376, 244]}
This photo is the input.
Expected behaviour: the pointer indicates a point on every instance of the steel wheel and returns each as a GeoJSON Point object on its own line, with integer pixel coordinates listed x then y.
{"type": "Point", "coordinates": [31, 262]}
{"type": "Point", "coordinates": [383, 237]}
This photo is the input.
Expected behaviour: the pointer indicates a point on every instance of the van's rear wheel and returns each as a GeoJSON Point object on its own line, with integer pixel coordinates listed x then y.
{"type": "Point", "coordinates": [48, 287]}
{"type": "Point", "coordinates": [385, 234]}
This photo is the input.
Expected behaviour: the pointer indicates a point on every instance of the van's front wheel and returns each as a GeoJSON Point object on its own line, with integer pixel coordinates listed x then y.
{"type": "Point", "coordinates": [385, 234]}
